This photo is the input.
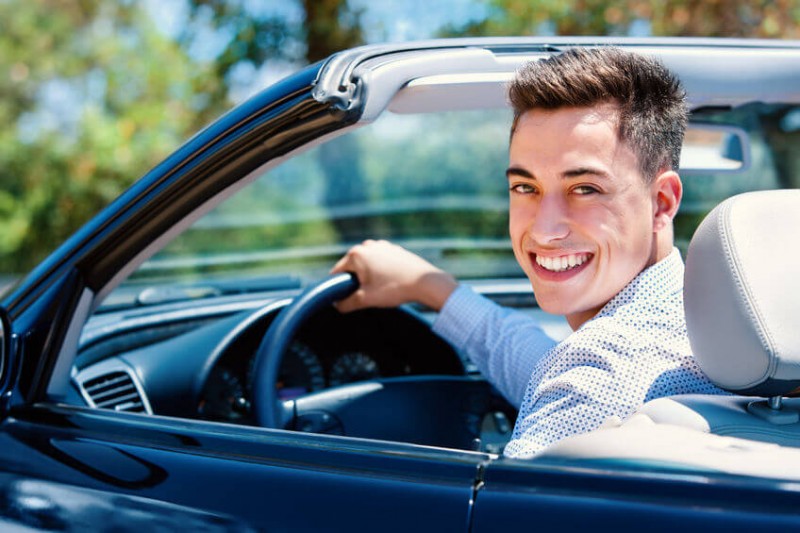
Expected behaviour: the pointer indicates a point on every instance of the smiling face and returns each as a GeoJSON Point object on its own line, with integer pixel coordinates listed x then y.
{"type": "Point", "coordinates": [583, 221]}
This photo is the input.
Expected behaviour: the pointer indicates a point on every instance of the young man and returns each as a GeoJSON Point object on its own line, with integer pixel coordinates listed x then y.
{"type": "Point", "coordinates": [593, 190]}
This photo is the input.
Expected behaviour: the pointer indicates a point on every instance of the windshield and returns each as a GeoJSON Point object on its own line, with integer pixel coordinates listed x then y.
{"type": "Point", "coordinates": [433, 182]}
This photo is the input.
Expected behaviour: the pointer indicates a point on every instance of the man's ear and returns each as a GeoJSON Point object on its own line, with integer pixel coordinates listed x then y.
{"type": "Point", "coordinates": [667, 192]}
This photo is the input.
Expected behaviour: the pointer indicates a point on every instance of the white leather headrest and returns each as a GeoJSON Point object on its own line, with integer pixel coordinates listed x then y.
{"type": "Point", "coordinates": [742, 293]}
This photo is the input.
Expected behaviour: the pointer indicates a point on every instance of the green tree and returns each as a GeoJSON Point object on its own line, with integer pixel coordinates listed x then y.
{"type": "Point", "coordinates": [323, 28]}
{"type": "Point", "coordinates": [707, 18]}
{"type": "Point", "coordinates": [92, 95]}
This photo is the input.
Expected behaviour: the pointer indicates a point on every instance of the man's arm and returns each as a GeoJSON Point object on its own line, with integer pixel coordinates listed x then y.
{"type": "Point", "coordinates": [505, 345]}
{"type": "Point", "coordinates": [390, 275]}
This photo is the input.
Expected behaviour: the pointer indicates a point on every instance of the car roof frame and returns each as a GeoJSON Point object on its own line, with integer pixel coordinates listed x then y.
{"type": "Point", "coordinates": [369, 78]}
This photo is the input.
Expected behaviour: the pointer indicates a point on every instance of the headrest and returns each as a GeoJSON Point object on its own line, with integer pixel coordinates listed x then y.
{"type": "Point", "coordinates": [742, 293]}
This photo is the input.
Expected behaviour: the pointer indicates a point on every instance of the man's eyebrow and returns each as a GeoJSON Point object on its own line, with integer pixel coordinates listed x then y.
{"type": "Point", "coordinates": [571, 173]}
{"type": "Point", "coordinates": [518, 171]}
{"type": "Point", "coordinates": [583, 171]}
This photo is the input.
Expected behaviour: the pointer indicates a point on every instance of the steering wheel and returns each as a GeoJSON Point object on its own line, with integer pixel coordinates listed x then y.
{"type": "Point", "coordinates": [395, 408]}
{"type": "Point", "coordinates": [279, 336]}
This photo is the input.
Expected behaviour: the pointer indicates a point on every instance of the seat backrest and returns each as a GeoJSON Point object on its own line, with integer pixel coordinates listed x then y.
{"type": "Point", "coordinates": [742, 301]}
{"type": "Point", "coordinates": [742, 293]}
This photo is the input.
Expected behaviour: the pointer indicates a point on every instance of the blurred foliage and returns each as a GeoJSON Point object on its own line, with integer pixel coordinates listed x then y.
{"type": "Point", "coordinates": [330, 26]}
{"type": "Point", "coordinates": [700, 18]}
{"type": "Point", "coordinates": [92, 95]}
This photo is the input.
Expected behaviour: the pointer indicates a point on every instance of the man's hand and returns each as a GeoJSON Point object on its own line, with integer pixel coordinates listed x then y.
{"type": "Point", "coordinates": [390, 276]}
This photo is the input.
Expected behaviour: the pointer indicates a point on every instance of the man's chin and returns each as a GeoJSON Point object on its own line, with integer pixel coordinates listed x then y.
{"type": "Point", "coordinates": [556, 308]}
{"type": "Point", "coordinates": [565, 302]}
{"type": "Point", "coordinates": [554, 303]}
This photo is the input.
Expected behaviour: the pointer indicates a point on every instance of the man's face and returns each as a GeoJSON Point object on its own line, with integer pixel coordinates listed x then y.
{"type": "Point", "coordinates": [581, 214]}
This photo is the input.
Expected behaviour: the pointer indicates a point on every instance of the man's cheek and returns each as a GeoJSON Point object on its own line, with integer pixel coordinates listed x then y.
{"type": "Point", "coordinates": [520, 256]}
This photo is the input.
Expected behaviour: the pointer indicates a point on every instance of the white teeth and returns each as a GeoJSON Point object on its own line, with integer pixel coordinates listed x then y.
{"type": "Point", "coordinates": [560, 264]}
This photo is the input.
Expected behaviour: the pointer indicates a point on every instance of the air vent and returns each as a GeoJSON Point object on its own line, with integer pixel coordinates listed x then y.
{"type": "Point", "coordinates": [115, 390]}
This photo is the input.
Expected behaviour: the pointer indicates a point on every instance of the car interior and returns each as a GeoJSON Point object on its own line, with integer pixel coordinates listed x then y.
{"type": "Point", "coordinates": [188, 332]}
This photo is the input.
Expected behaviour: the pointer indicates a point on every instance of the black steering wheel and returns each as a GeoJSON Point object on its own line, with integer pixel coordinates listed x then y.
{"type": "Point", "coordinates": [279, 336]}
{"type": "Point", "coordinates": [397, 408]}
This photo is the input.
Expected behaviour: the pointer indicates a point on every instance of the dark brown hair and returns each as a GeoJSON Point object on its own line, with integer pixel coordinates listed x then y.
{"type": "Point", "coordinates": [651, 100]}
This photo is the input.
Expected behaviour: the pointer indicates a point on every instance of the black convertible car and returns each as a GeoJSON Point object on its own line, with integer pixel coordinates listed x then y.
{"type": "Point", "coordinates": [177, 363]}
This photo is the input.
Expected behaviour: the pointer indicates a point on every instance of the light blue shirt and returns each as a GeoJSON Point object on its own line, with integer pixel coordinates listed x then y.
{"type": "Point", "coordinates": [635, 349]}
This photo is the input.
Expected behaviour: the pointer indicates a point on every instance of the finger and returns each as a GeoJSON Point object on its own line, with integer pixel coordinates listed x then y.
{"type": "Point", "coordinates": [340, 265]}
{"type": "Point", "coordinates": [343, 307]}
{"type": "Point", "coordinates": [353, 302]}
{"type": "Point", "coordinates": [346, 262]}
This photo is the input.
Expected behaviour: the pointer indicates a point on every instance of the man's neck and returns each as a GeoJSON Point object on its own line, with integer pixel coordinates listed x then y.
{"type": "Point", "coordinates": [578, 319]}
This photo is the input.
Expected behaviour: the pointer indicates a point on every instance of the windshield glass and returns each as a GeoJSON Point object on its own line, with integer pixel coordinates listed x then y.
{"type": "Point", "coordinates": [432, 182]}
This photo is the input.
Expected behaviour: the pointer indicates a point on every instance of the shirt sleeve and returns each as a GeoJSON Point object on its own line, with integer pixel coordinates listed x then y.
{"type": "Point", "coordinates": [504, 344]}
{"type": "Point", "coordinates": [575, 389]}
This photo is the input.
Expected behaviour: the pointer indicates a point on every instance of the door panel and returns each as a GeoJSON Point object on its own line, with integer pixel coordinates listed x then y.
{"type": "Point", "coordinates": [272, 480]}
{"type": "Point", "coordinates": [571, 497]}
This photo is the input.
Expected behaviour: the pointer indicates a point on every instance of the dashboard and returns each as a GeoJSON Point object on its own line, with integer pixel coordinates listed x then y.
{"type": "Point", "coordinates": [332, 349]}
{"type": "Point", "coordinates": [204, 368]}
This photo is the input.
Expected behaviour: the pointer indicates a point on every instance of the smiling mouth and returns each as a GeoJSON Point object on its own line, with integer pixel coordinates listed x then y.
{"type": "Point", "coordinates": [562, 263]}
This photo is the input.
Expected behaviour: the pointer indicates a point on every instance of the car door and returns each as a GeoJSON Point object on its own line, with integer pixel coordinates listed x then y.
{"type": "Point", "coordinates": [270, 480]}
{"type": "Point", "coordinates": [620, 496]}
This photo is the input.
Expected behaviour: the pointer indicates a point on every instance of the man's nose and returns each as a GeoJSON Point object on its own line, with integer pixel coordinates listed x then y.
{"type": "Point", "coordinates": [549, 222]}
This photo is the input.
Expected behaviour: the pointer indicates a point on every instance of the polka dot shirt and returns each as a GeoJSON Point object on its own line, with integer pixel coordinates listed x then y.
{"type": "Point", "coordinates": [635, 349]}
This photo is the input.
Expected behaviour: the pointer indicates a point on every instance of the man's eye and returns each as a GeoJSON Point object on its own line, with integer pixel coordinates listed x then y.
{"type": "Point", "coordinates": [522, 188]}
{"type": "Point", "coordinates": [584, 189]}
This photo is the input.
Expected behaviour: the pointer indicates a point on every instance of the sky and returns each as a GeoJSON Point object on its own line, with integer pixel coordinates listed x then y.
{"type": "Point", "coordinates": [382, 21]}
{"type": "Point", "coordinates": [393, 21]}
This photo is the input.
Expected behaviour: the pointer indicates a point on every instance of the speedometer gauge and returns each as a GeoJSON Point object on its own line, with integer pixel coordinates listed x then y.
{"type": "Point", "coordinates": [224, 396]}
{"type": "Point", "coordinates": [300, 373]}
{"type": "Point", "coordinates": [353, 366]}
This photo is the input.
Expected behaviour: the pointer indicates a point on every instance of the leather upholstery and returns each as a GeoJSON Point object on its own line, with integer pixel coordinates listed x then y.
{"type": "Point", "coordinates": [742, 293]}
